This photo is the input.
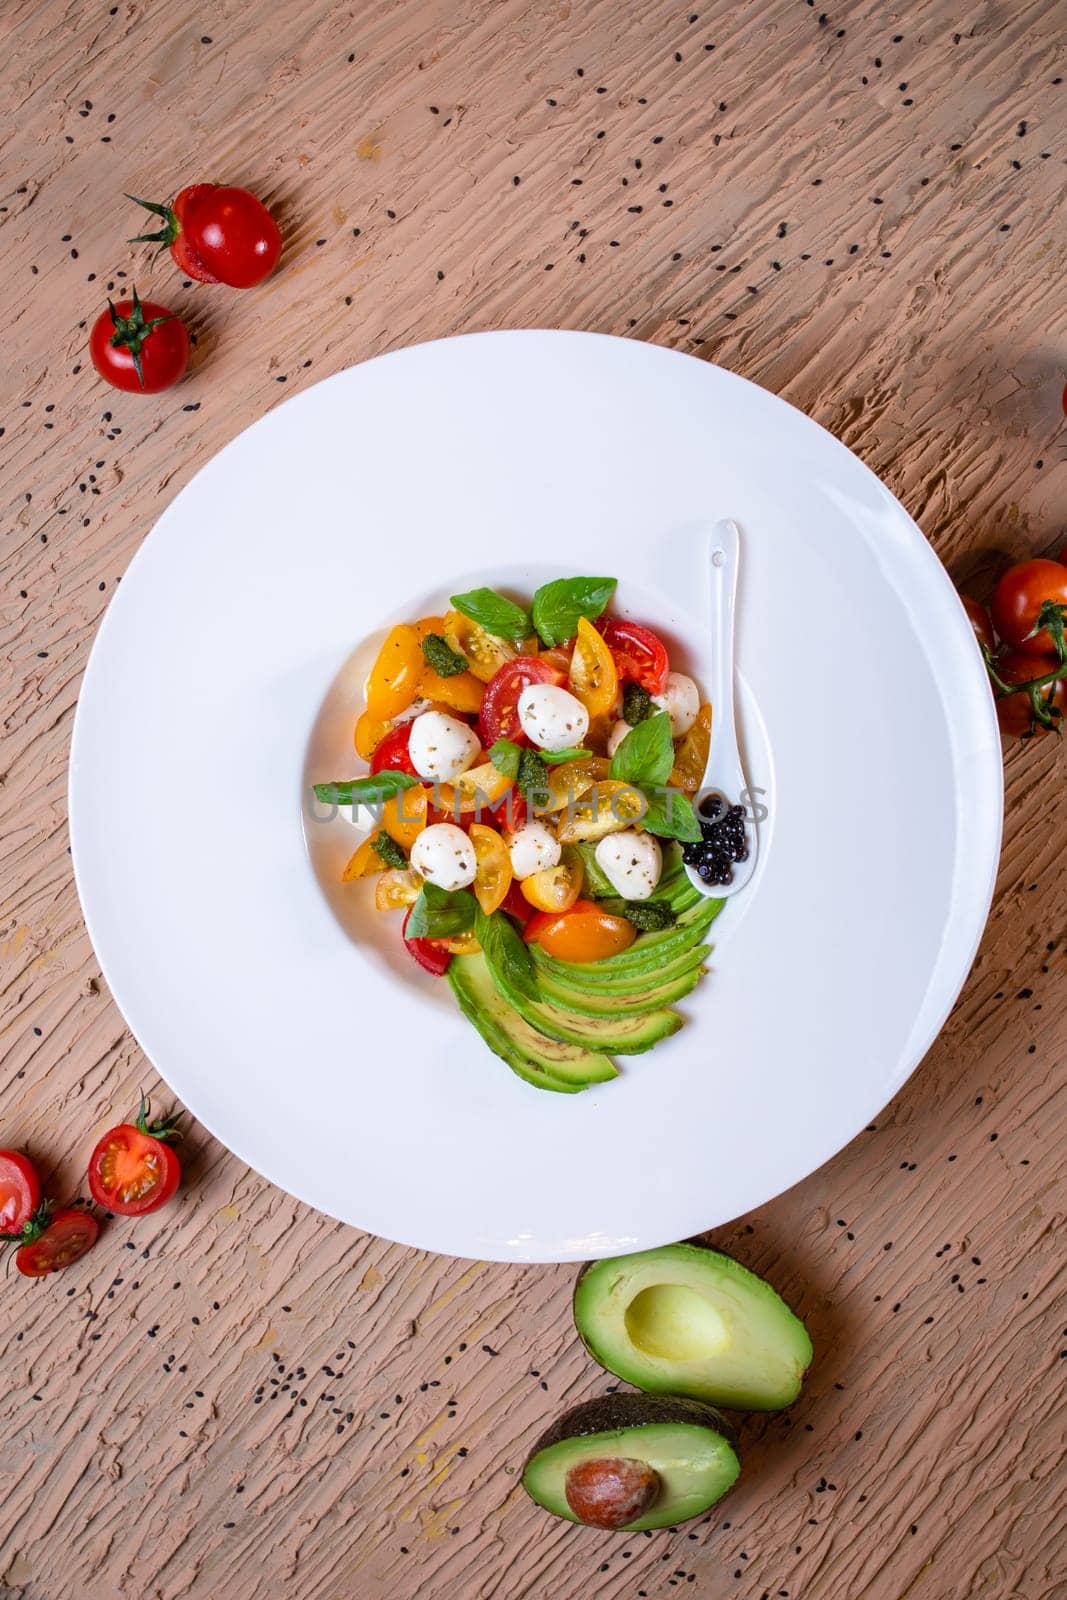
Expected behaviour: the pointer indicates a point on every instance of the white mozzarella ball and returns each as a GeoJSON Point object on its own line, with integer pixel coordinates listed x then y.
{"type": "Point", "coordinates": [631, 862]}
{"type": "Point", "coordinates": [442, 854]}
{"type": "Point", "coordinates": [553, 718]}
{"type": "Point", "coordinates": [616, 736]}
{"type": "Point", "coordinates": [441, 746]}
{"type": "Point", "coordinates": [532, 847]}
{"type": "Point", "coordinates": [681, 701]}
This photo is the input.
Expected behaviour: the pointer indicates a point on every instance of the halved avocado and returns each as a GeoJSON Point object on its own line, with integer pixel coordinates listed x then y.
{"type": "Point", "coordinates": [688, 1320]}
{"type": "Point", "coordinates": [689, 1447]}
{"type": "Point", "coordinates": [546, 1063]}
{"type": "Point", "coordinates": [647, 996]}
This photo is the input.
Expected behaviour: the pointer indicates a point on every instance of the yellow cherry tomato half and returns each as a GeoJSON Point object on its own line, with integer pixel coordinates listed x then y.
{"type": "Point", "coordinates": [427, 625]}
{"type": "Point", "coordinates": [394, 677]}
{"type": "Point", "coordinates": [365, 861]}
{"type": "Point", "coordinates": [478, 786]}
{"type": "Point", "coordinates": [571, 779]}
{"type": "Point", "coordinates": [691, 754]}
{"type": "Point", "coordinates": [397, 887]}
{"type": "Point", "coordinates": [483, 650]}
{"type": "Point", "coordinates": [460, 944]}
{"type": "Point", "coordinates": [461, 692]}
{"type": "Point", "coordinates": [494, 866]}
{"type": "Point", "coordinates": [404, 815]}
{"type": "Point", "coordinates": [584, 933]}
{"type": "Point", "coordinates": [370, 731]}
{"type": "Point", "coordinates": [593, 675]}
{"type": "Point", "coordinates": [555, 888]}
{"type": "Point", "coordinates": [606, 808]}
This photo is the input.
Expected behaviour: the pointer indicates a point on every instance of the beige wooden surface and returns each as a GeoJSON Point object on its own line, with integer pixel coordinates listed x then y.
{"type": "Point", "coordinates": [856, 208]}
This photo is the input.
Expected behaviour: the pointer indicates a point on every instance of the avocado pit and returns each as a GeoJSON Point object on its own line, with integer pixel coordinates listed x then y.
{"type": "Point", "coordinates": [611, 1492]}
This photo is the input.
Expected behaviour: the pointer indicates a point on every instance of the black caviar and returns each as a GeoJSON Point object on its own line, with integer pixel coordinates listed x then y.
{"type": "Point", "coordinates": [723, 842]}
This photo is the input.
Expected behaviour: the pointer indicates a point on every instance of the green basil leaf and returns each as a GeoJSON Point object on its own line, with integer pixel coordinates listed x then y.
{"type": "Point", "coordinates": [556, 758]}
{"type": "Point", "coordinates": [594, 881]}
{"type": "Point", "coordinates": [636, 704]}
{"type": "Point", "coordinates": [506, 953]}
{"type": "Point", "coordinates": [505, 758]}
{"type": "Point", "coordinates": [557, 606]}
{"type": "Point", "coordinates": [389, 850]}
{"type": "Point", "coordinates": [439, 655]}
{"type": "Point", "coordinates": [646, 755]}
{"type": "Point", "coordinates": [670, 815]}
{"type": "Point", "coordinates": [440, 913]}
{"type": "Point", "coordinates": [364, 791]}
{"type": "Point", "coordinates": [495, 613]}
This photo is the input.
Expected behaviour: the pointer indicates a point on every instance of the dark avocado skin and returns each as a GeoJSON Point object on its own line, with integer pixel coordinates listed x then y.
{"type": "Point", "coordinates": [613, 1411]}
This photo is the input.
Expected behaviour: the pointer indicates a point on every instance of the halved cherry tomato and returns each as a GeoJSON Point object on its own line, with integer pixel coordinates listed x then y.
{"type": "Point", "coordinates": [639, 656]}
{"type": "Point", "coordinates": [978, 617]}
{"type": "Point", "coordinates": [571, 779]}
{"type": "Point", "coordinates": [1018, 598]}
{"type": "Point", "coordinates": [486, 653]}
{"type": "Point", "coordinates": [478, 789]}
{"type": "Point", "coordinates": [427, 952]}
{"type": "Point", "coordinates": [605, 808]}
{"type": "Point", "coordinates": [62, 1241]}
{"type": "Point", "coordinates": [397, 887]}
{"type": "Point", "coordinates": [404, 815]}
{"type": "Point", "coordinates": [394, 677]}
{"type": "Point", "coordinates": [133, 1169]}
{"type": "Point", "coordinates": [691, 754]}
{"type": "Point", "coordinates": [558, 658]}
{"type": "Point", "coordinates": [428, 625]}
{"type": "Point", "coordinates": [584, 933]}
{"type": "Point", "coordinates": [516, 904]}
{"type": "Point", "coordinates": [555, 888]}
{"type": "Point", "coordinates": [364, 860]}
{"type": "Point", "coordinates": [1014, 712]}
{"type": "Point", "coordinates": [499, 717]}
{"type": "Point", "coordinates": [20, 1193]}
{"type": "Point", "coordinates": [369, 733]}
{"type": "Point", "coordinates": [462, 692]}
{"type": "Point", "coordinates": [593, 676]}
{"type": "Point", "coordinates": [494, 867]}
{"type": "Point", "coordinates": [393, 753]}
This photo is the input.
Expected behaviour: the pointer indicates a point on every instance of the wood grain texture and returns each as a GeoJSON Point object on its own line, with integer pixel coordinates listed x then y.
{"type": "Point", "coordinates": [856, 207]}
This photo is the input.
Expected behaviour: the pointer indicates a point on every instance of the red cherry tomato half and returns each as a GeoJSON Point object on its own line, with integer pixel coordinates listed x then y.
{"type": "Point", "coordinates": [133, 1170]}
{"type": "Point", "coordinates": [1019, 597]}
{"type": "Point", "coordinates": [516, 905]}
{"type": "Point", "coordinates": [139, 346]}
{"type": "Point", "coordinates": [393, 752]}
{"type": "Point", "coordinates": [499, 716]}
{"type": "Point", "coordinates": [639, 656]}
{"type": "Point", "coordinates": [427, 952]}
{"type": "Point", "coordinates": [540, 920]}
{"type": "Point", "coordinates": [218, 234]}
{"type": "Point", "coordinates": [65, 1239]}
{"type": "Point", "coordinates": [978, 617]}
{"type": "Point", "coordinates": [1014, 712]}
{"type": "Point", "coordinates": [20, 1192]}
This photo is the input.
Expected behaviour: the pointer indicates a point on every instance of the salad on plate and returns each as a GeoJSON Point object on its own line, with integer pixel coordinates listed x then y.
{"type": "Point", "coordinates": [530, 794]}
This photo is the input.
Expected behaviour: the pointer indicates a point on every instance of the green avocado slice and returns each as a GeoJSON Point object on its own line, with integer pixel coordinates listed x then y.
{"type": "Point", "coordinates": [646, 995]}
{"type": "Point", "coordinates": [688, 1445]}
{"type": "Point", "coordinates": [650, 952]}
{"type": "Point", "coordinates": [688, 1320]}
{"type": "Point", "coordinates": [588, 978]}
{"type": "Point", "coordinates": [544, 1062]}
{"type": "Point", "coordinates": [620, 1034]}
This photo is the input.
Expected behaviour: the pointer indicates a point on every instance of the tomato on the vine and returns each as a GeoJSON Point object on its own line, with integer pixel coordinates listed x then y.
{"type": "Point", "coordinates": [499, 716]}
{"type": "Point", "coordinates": [978, 617]}
{"type": "Point", "coordinates": [217, 233]}
{"type": "Point", "coordinates": [1014, 711]}
{"type": "Point", "coordinates": [639, 656]}
{"type": "Point", "coordinates": [133, 1169]}
{"type": "Point", "coordinates": [20, 1193]}
{"type": "Point", "coordinates": [392, 753]}
{"type": "Point", "coordinates": [62, 1240]}
{"type": "Point", "coordinates": [139, 346]}
{"type": "Point", "coordinates": [1018, 599]}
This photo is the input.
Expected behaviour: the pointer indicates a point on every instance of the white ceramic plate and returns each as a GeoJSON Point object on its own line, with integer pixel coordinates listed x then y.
{"type": "Point", "coordinates": [226, 676]}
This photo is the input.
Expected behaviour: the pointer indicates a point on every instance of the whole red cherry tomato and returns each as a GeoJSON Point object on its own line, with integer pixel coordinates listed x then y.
{"type": "Point", "coordinates": [499, 716]}
{"type": "Point", "coordinates": [139, 346]}
{"type": "Point", "coordinates": [20, 1193]}
{"type": "Point", "coordinates": [59, 1242]}
{"type": "Point", "coordinates": [392, 754]}
{"type": "Point", "coordinates": [639, 656]}
{"type": "Point", "coordinates": [427, 952]}
{"type": "Point", "coordinates": [1014, 712]}
{"type": "Point", "coordinates": [133, 1169]}
{"type": "Point", "coordinates": [978, 617]}
{"type": "Point", "coordinates": [1018, 598]}
{"type": "Point", "coordinates": [217, 234]}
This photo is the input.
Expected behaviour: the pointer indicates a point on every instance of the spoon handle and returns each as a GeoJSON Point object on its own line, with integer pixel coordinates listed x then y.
{"type": "Point", "coordinates": [724, 762]}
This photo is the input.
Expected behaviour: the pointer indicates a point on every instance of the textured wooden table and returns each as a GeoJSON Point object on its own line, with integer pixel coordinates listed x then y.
{"type": "Point", "coordinates": [855, 208]}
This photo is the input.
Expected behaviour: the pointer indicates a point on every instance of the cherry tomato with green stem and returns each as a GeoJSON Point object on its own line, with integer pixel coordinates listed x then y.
{"type": "Point", "coordinates": [978, 617]}
{"type": "Point", "coordinates": [217, 233]}
{"type": "Point", "coordinates": [1017, 602]}
{"type": "Point", "coordinates": [59, 1240]}
{"type": "Point", "coordinates": [139, 346]}
{"type": "Point", "coordinates": [1015, 711]}
{"type": "Point", "coordinates": [133, 1169]}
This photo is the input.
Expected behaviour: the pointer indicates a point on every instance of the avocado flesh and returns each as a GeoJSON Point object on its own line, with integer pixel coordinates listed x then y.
{"type": "Point", "coordinates": [586, 977]}
{"type": "Point", "coordinates": [690, 1321]}
{"type": "Point", "coordinates": [650, 952]}
{"type": "Point", "coordinates": [688, 1445]}
{"type": "Point", "coordinates": [645, 997]}
{"type": "Point", "coordinates": [621, 1035]}
{"type": "Point", "coordinates": [546, 1063]}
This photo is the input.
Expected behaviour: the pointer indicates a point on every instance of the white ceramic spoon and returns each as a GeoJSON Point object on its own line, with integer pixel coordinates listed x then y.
{"type": "Point", "coordinates": [724, 774]}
